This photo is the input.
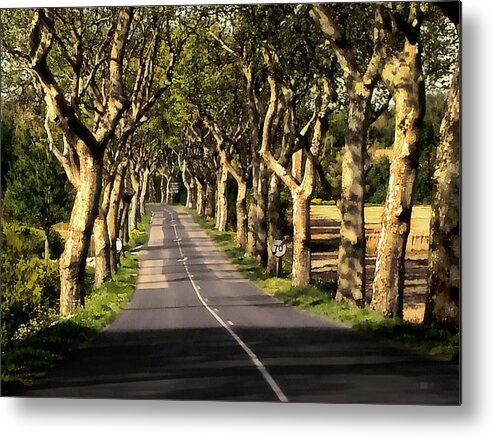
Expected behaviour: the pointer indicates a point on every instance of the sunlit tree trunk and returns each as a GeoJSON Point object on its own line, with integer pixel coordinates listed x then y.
{"type": "Point", "coordinates": [222, 200]}
{"type": "Point", "coordinates": [101, 250]}
{"type": "Point", "coordinates": [404, 76]}
{"type": "Point", "coordinates": [73, 258]}
{"type": "Point", "coordinates": [257, 228]}
{"type": "Point", "coordinates": [442, 304]}
{"type": "Point", "coordinates": [143, 190]}
{"type": "Point", "coordinates": [134, 214]}
{"type": "Point", "coordinates": [113, 214]}
{"type": "Point", "coordinates": [274, 219]}
{"type": "Point", "coordinates": [351, 264]}
{"type": "Point", "coordinates": [47, 245]}
{"type": "Point", "coordinates": [101, 237]}
{"type": "Point", "coordinates": [261, 215]}
{"type": "Point", "coordinates": [301, 240]}
{"type": "Point", "coordinates": [192, 194]}
{"type": "Point", "coordinates": [163, 189]}
{"type": "Point", "coordinates": [201, 195]}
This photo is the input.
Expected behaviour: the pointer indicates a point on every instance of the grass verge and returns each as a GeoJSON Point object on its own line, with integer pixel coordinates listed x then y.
{"type": "Point", "coordinates": [442, 342]}
{"type": "Point", "coordinates": [26, 360]}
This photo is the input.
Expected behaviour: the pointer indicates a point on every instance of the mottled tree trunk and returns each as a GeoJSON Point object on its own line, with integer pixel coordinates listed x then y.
{"type": "Point", "coordinates": [210, 201]}
{"type": "Point", "coordinates": [297, 165]}
{"type": "Point", "coordinates": [101, 250]}
{"type": "Point", "coordinates": [406, 80]}
{"type": "Point", "coordinates": [273, 219]}
{"type": "Point", "coordinates": [222, 199]}
{"type": "Point", "coordinates": [241, 215]}
{"type": "Point", "coordinates": [192, 194]}
{"type": "Point", "coordinates": [169, 194]}
{"type": "Point", "coordinates": [261, 216]}
{"type": "Point", "coordinates": [251, 224]}
{"type": "Point", "coordinates": [301, 240]}
{"type": "Point", "coordinates": [351, 264]}
{"type": "Point", "coordinates": [102, 240]}
{"type": "Point", "coordinates": [254, 220]}
{"type": "Point", "coordinates": [152, 189]}
{"type": "Point", "coordinates": [201, 194]}
{"type": "Point", "coordinates": [113, 216]}
{"type": "Point", "coordinates": [47, 245]}
{"type": "Point", "coordinates": [163, 189]}
{"type": "Point", "coordinates": [442, 304]}
{"type": "Point", "coordinates": [143, 191]}
{"type": "Point", "coordinates": [134, 214]}
{"type": "Point", "coordinates": [73, 259]}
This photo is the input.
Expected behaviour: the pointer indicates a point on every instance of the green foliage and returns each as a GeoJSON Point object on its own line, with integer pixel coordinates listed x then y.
{"type": "Point", "coordinates": [30, 285]}
{"type": "Point", "coordinates": [377, 181]}
{"type": "Point", "coordinates": [38, 192]}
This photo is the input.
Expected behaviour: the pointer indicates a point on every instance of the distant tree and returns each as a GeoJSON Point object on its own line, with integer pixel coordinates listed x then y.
{"type": "Point", "coordinates": [37, 192]}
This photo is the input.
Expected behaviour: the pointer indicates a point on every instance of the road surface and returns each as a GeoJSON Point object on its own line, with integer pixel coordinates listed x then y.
{"type": "Point", "coordinates": [196, 329]}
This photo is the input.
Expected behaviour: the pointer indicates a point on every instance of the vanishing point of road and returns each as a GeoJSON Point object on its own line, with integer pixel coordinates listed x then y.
{"type": "Point", "coordinates": [196, 329]}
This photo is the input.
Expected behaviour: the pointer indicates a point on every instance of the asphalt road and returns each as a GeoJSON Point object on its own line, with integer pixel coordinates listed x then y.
{"type": "Point", "coordinates": [196, 329]}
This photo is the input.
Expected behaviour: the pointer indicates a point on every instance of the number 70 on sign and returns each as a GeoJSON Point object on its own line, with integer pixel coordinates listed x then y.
{"type": "Point", "coordinates": [278, 248]}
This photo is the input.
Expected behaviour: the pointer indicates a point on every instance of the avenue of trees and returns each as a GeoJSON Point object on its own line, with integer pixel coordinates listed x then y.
{"type": "Point", "coordinates": [254, 110]}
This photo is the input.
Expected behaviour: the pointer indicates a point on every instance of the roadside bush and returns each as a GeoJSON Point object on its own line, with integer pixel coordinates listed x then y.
{"type": "Point", "coordinates": [30, 287]}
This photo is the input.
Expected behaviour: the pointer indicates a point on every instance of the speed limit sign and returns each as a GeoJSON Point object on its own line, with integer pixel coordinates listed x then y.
{"type": "Point", "coordinates": [278, 248]}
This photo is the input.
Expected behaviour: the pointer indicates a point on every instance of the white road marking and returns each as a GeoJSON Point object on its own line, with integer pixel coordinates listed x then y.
{"type": "Point", "coordinates": [230, 323]}
{"type": "Point", "coordinates": [207, 300]}
{"type": "Point", "coordinates": [216, 310]}
{"type": "Point", "coordinates": [261, 368]}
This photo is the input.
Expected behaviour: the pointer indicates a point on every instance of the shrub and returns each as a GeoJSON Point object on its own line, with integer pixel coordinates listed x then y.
{"type": "Point", "coordinates": [30, 286]}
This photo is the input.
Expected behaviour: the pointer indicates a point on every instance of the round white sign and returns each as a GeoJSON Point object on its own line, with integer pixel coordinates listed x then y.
{"type": "Point", "coordinates": [278, 248]}
{"type": "Point", "coordinates": [119, 245]}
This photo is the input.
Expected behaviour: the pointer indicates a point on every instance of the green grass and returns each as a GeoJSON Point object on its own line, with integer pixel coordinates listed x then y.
{"type": "Point", "coordinates": [28, 359]}
{"type": "Point", "coordinates": [439, 341]}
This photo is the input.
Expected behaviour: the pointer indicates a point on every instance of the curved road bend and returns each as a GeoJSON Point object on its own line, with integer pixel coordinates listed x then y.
{"type": "Point", "coordinates": [195, 329]}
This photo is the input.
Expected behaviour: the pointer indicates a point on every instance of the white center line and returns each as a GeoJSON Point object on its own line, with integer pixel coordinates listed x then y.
{"type": "Point", "coordinates": [261, 368]}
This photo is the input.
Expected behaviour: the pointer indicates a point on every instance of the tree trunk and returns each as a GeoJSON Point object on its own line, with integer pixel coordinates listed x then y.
{"type": "Point", "coordinates": [73, 259]}
{"type": "Point", "coordinates": [222, 199]}
{"type": "Point", "coordinates": [351, 270]}
{"type": "Point", "coordinates": [192, 198]}
{"type": "Point", "coordinates": [442, 304]}
{"type": "Point", "coordinates": [163, 189]}
{"type": "Point", "coordinates": [301, 273]}
{"type": "Point", "coordinates": [274, 219]}
{"type": "Point", "coordinates": [255, 139]}
{"type": "Point", "coordinates": [241, 215]}
{"type": "Point", "coordinates": [201, 198]}
{"type": "Point", "coordinates": [113, 216]}
{"type": "Point", "coordinates": [47, 244]}
{"type": "Point", "coordinates": [297, 165]}
{"type": "Point", "coordinates": [152, 189]}
{"type": "Point", "coordinates": [169, 194]}
{"type": "Point", "coordinates": [101, 250]}
{"type": "Point", "coordinates": [251, 223]}
{"type": "Point", "coordinates": [210, 201]}
{"type": "Point", "coordinates": [143, 191]}
{"type": "Point", "coordinates": [409, 96]}
{"type": "Point", "coordinates": [134, 214]}
{"type": "Point", "coordinates": [261, 216]}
